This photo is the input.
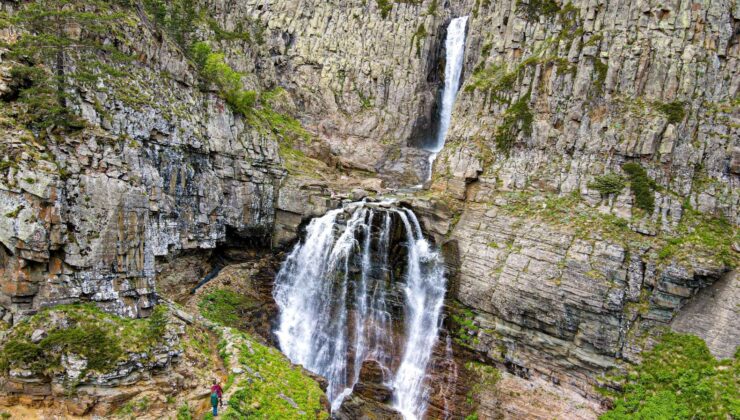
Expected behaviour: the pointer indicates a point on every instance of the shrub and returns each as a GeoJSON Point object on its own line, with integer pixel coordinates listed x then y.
{"type": "Point", "coordinates": [679, 379]}
{"type": "Point", "coordinates": [642, 186]}
{"type": "Point", "coordinates": [385, 7]}
{"type": "Point", "coordinates": [92, 343]}
{"type": "Point", "coordinates": [674, 111]}
{"type": "Point", "coordinates": [609, 183]}
{"type": "Point", "coordinates": [216, 70]}
{"type": "Point", "coordinates": [183, 412]}
{"type": "Point", "coordinates": [600, 68]}
{"type": "Point", "coordinates": [200, 52]}
{"type": "Point", "coordinates": [80, 329]}
{"type": "Point", "coordinates": [533, 9]}
{"type": "Point", "coordinates": [418, 38]}
{"type": "Point", "coordinates": [703, 236]}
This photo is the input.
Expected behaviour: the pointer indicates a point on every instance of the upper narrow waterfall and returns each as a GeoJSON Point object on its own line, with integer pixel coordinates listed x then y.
{"type": "Point", "coordinates": [455, 47]}
{"type": "Point", "coordinates": [363, 284]}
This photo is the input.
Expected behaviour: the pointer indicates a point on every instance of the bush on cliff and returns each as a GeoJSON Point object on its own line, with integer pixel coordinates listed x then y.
{"type": "Point", "coordinates": [607, 184]}
{"type": "Point", "coordinates": [679, 379]}
{"type": "Point", "coordinates": [642, 186]}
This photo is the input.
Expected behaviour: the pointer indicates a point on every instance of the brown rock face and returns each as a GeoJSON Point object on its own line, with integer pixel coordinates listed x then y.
{"type": "Point", "coordinates": [370, 396]}
{"type": "Point", "coordinates": [372, 382]}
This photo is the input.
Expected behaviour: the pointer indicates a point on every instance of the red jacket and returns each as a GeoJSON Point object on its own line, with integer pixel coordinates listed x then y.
{"type": "Point", "coordinates": [217, 389]}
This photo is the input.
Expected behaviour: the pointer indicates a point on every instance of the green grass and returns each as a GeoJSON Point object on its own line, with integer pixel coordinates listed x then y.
{"type": "Point", "coordinates": [184, 412]}
{"type": "Point", "coordinates": [517, 118]}
{"type": "Point", "coordinates": [464, 330]}
{"type": "Point", "coordinates": [600, 70]}
{"type": "Point", "coordinates": [214, 69]}
{"type": "Point", "coordinates": [533, 9]}
{"type": "Point", "coordinates": [418, 38]}
{"type": "Point", "coordinates": [703, 236]}
{"type": "Point", "coordinates": [571, 212]}
{"type": "Point", "coordinates": [679, 379]}
{"type": "Point", "coordinates": [225, 307]}
{"type": "Point", "coordinates": [273, 377]}
{"type": "Point", "coordinates": [99, 337]}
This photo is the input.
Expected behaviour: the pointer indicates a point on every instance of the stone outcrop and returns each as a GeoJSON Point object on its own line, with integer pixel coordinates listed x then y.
{"type": "Point", "coordinates": [365, 81]}
{"type": "Point", "coordinates": [370, 396]}
{"type": "Point", "coordinates": [563, 281]}
{"type": "Point", "coordinates": [712, 315]}
{"type": "Point", "coordinates": [167, 168]}
{"type": "Point", "coordinates": [604, 84]}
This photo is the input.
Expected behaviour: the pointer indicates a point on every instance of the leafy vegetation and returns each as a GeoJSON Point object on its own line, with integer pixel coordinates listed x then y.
{"type": "Point", "coordinates": [214, 69]}
{"type": "Point", "coordinates": [101, 338]}
{"type": "Point", "coordinates": [184, 412]}
{"type": "Point", "coordinates": [679, 379]}
{"type": "Point", "coordinates": [607, 184]}
{"type": "Point", "coordinates": [518, 117]}
{"type": "Point", "coordinates": [385, 6]}
{"type": "Point", "coordinates": [465, 331]}
{"type": "Point", "coordinates": [533, 9]}
{"type": "Point", "coordinates": [478, 4]}
{"type": "Point", "coordinates": [484, 377]}
{"type": "Point", "coordinates": [259, 110]}
{"type": "Point", "coordinates": [703, 236]}
{"type": "Point", "coordinates": [418, 38]}
{"type": "Point", "coordinates": [178, 18]}
{"type": "Point", "coordinates": [225, 307]}
{"type": "Point", "coordinates": [569, 210]}
{"type": "Point", "coordinates": [40, 79]}
{"type": "Point", "coordinates": [600, 69]}
{"type": "Point", "coordinates": [674, 111]}
{"type": "Point", "coordinates": [274, 382]}
{"type": "Point", "coordinates": [642, 186]}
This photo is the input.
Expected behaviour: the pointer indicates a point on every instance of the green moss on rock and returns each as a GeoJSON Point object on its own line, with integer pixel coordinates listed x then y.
{"type": "Point", "coordinates": [702, 236]}
{"type": "Point", "coordinates": [84, 330]}
{"type": "Point", "coordinates": [284, 392]}
{"type": "Point", "coordinates": [517, 118]}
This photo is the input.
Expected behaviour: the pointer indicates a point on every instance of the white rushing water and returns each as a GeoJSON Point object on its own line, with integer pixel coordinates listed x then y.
{"type": "Point", "coordinates": [333, 295]}
{"type": "Point", "coordinates": [455, 52]}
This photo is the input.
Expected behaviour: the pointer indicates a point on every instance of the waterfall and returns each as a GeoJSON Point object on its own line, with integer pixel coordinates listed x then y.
{"type": "Point", "coordinates": [455, 48]}
{"type": "Point", "coordinates": [337, 291]}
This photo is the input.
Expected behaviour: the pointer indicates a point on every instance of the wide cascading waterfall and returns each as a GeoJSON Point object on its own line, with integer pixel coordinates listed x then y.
{"type": "Point", "coordinates": [338, 293]}
{"type": "Point", "coordinates": [455, 52]}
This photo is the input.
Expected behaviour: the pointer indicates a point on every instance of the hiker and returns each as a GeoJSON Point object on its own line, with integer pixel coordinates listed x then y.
{"type": "Point", "coordinates": [216, 394]}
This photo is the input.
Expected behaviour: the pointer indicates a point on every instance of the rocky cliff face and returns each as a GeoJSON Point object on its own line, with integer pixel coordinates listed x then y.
{"type": "Point", "coordinates": [364, 78]}
{"type": "Point", "coordinates": [568, 279]}
{"type": "Point", "coordinates": [588, 190]}
{"type": "Point", "coordinates": [160, 166]}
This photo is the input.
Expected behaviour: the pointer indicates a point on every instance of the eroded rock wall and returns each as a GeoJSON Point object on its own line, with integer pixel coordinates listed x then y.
{"type": "Point", "coordinates": [161, 165]}
{"type": "Point", "coordinates": [365, 81]}
{"type": "Point", "coordinates": [565, 282]}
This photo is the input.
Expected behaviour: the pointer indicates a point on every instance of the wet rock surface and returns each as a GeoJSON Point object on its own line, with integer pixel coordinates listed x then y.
{"type": "Point", "coordinates": [370, 396]}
